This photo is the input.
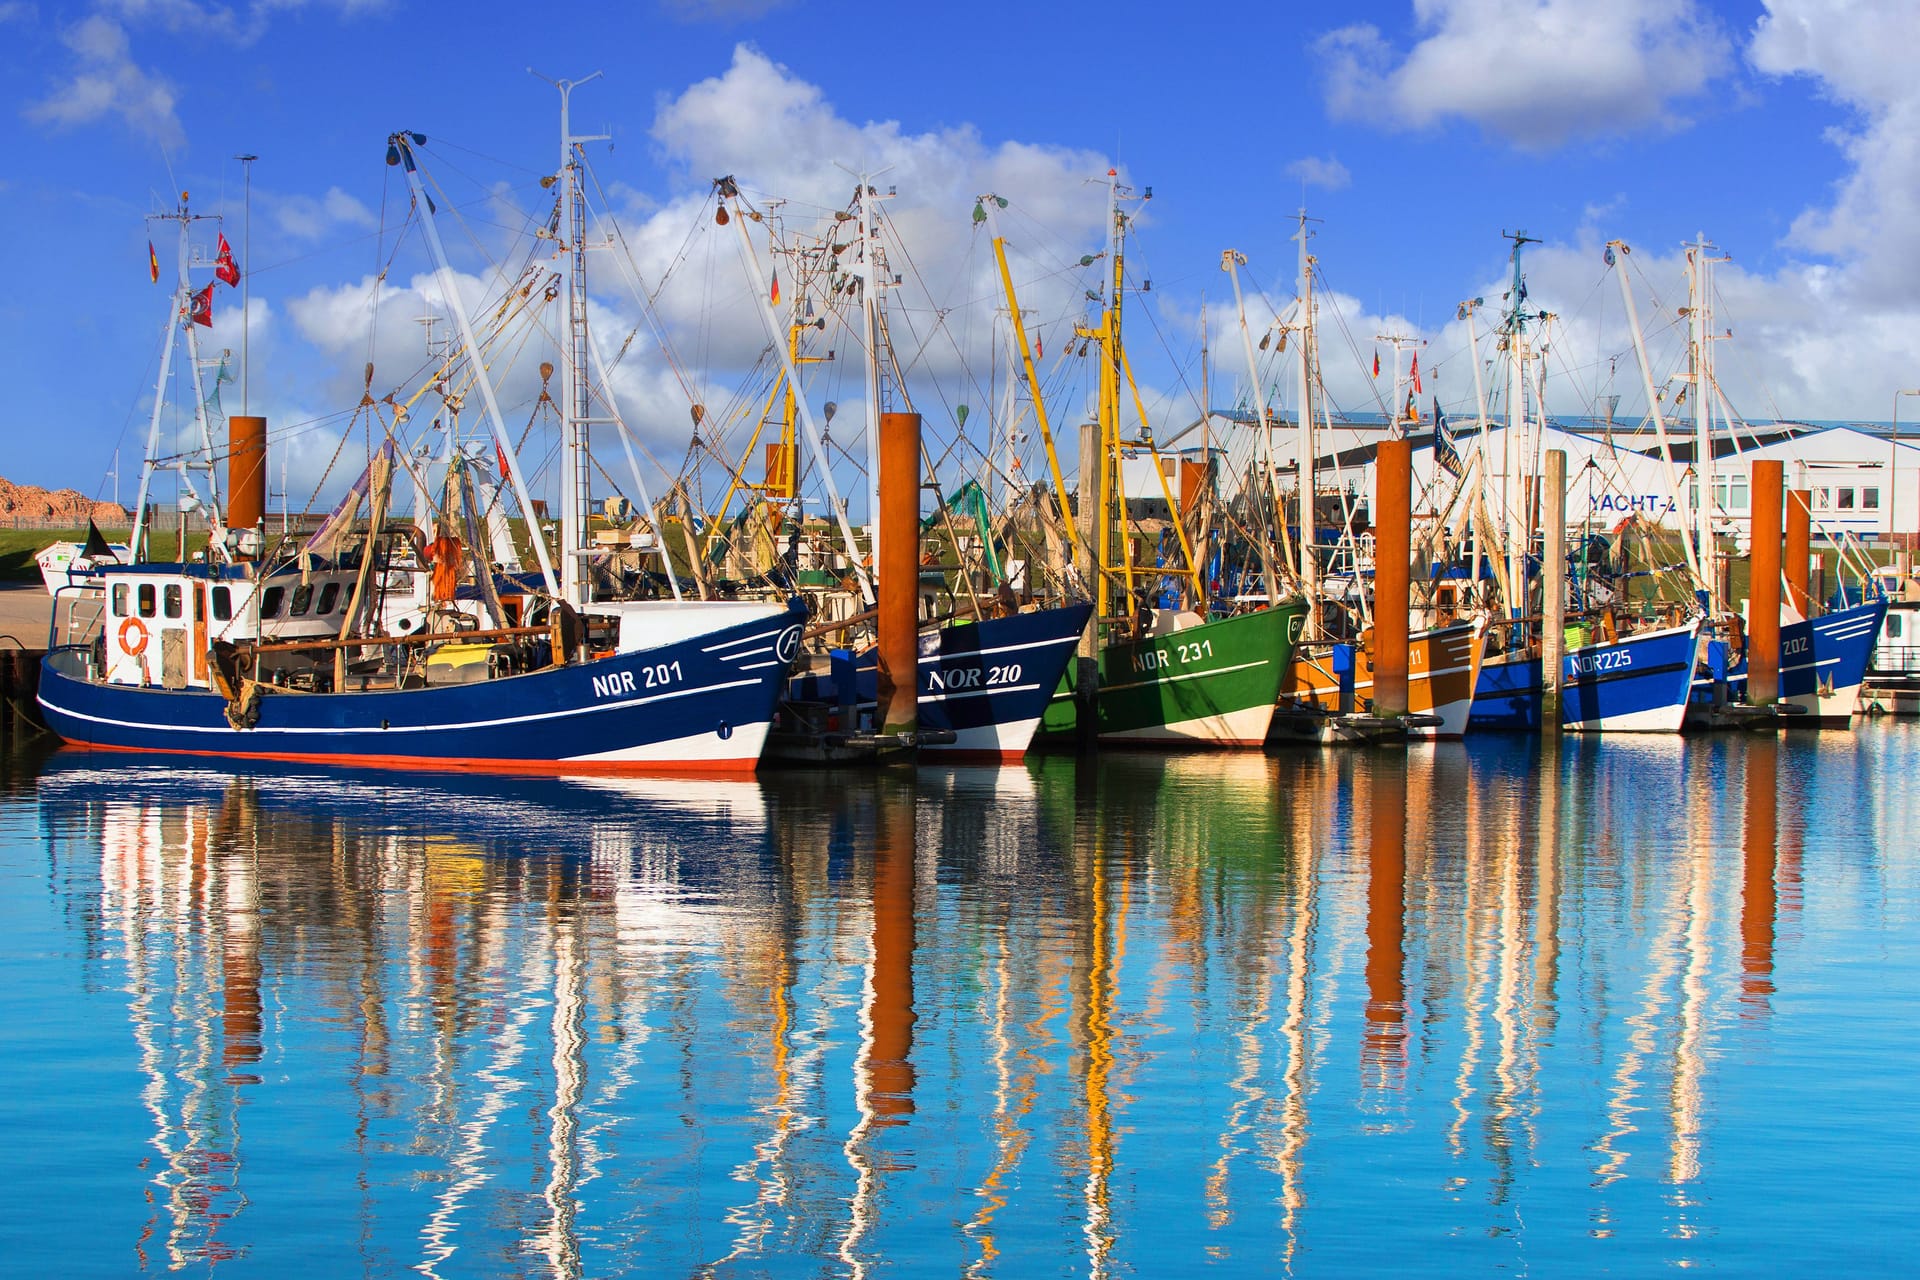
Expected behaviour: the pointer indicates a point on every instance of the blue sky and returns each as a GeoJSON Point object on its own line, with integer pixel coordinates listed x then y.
{"type": "Point", "coordinates": [1788, 132]}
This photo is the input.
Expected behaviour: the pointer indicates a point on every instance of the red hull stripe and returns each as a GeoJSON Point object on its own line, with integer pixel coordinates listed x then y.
{"type": "Point", "coordinates": [621, 768]}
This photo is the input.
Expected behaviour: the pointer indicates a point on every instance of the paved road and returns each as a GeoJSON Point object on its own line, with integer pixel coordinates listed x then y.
{"type": "Point", "coordinates": [25, 610]}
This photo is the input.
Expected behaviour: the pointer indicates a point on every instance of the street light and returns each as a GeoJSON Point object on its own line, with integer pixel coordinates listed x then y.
{"type": "Point", "coordinates": [1893, 483]}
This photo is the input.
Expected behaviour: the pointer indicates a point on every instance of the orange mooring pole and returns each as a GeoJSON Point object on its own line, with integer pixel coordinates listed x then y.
{"type": "Point", "coordinates": [1799, 549]}
{"type": "Point", "coordinates": [246, 471]}
{"type": "Point", "coordinates": [889, 1049]}
{"type": "Point", "coordinates": [1763, 591]}
{"type": "Point", "coordinates": [899, 572]}
{"type": "Point", "coordinates": [1392, 555]}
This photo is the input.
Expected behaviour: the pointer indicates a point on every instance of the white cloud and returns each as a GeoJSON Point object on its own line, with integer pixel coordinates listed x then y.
{"type": "Point", "coordinates": [1858, 52]}
{"type": "Point", "coordinates": [720, 10]}
{"type": "Point", "coordinates": [1535, 72]}
{"type": "Point", "coordinates": [311, 218]}
{"type": "Point", "coordinates": [1314, 171]}
{"type": "Point", "coordinates": [105, 81]}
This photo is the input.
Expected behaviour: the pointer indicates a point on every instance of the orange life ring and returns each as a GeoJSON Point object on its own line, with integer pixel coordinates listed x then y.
{"type": "Point", "coordinates": [133, 636]}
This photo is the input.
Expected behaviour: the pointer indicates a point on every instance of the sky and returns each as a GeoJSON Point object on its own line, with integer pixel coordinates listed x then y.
{"type": "Point", "coordinates": [1415, 134]}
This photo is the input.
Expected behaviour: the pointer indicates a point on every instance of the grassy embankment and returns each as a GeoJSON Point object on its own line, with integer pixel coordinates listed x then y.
{"type": "Point", "coordinates": [19, 546]}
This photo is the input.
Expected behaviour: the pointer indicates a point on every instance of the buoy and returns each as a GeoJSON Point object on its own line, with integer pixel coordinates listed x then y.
{"type": "Point", "coordinates": [133, 636]}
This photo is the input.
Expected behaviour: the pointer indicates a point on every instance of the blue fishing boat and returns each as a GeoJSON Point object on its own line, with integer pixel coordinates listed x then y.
{"type": "Point", "coordinates": [1635, 684]}
{"type": "Point", "coordinates": [675, 688]}
{"type": "Point", "coordinates": [1823, 665]}
{"type": "Point", "coordinates": [1508, 696]}
{"type": "Point", "coordinates": [988, 682]}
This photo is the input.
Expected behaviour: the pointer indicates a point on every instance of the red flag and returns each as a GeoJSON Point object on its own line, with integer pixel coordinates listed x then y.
{"type": "Point", "coordinates": [1416, 371]}
{"type": "Point", "coordinates": [223, 262]}
{"type": "Point", "coordinates": [1376, 363]}
{"type": "Point", "coordinates": [776, 286]}
{"type": "Point", "coordinates": [202, 311]}
{"type": "Point", "coordinates": [500, 453]}
{"type": "Point", "coordinates": [1040, 348]}
{"type": "Point", "coordinates": [153, 264]}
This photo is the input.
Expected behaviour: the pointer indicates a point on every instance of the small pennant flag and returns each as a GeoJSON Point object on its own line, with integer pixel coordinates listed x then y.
{"type": "Point", "coordinates": [1376, 363]}
{"type": "Point", "coordinates": [501, 454]}
{"type": "Point", "coordinates": [776, 287]}
{"type": "Point", "coordinates": [223, 265]}
{"type": "Point", "coordinates": [153, 264]}
{"type": "Point", "coordinates": [1416, 372]}
{"type": "Point", "coordinates": [1040, 348]}
{"type": "Point", "coordinates": [202, 311]}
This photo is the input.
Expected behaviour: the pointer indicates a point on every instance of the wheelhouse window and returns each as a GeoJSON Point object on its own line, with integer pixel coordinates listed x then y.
{"type": "Point", "coordinates": [171, 599]}
{"type": "Point", "coordinates": [329, 595]}
{"type": "Point", "coordinates": [302, 600]}
{"type": "Point", "coordinates": [120, 595]}
{"type": "Point", "coordinates": [270, 601]}
{"type": "Point", "coordinates": [1894, 623]}
{"type": "Point", "coordinates": [147, 606]}
{"type": "Point", "coordinates": [223, 604]}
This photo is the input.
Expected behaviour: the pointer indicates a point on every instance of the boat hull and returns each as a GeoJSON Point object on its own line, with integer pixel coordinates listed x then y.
{"type": "Point", "coordinates": [988, 681]}
{"type": "Point", "coordinates": [1823, 666]}
{"type": "Point", "coordinates": [1213, 685]}
{"type": "Point", "coordinates": [702, 704]}
{"type": "Point", "coordinates": [1509, 696]}
{"type": "Point", "coordinates": [1440, 679]}
{"type": "Point", "coordinates": [1639, 684]}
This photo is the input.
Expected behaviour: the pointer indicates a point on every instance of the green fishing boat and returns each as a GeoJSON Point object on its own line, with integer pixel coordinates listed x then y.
{"type": "Point", "coordinates": [1211, 684]}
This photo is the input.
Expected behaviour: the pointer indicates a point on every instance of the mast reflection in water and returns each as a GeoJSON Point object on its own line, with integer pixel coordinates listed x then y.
{"type": "Point", "coordinates": [1630, 1005]}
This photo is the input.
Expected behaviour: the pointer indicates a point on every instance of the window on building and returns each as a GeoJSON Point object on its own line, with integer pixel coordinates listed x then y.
{"type": "Point", "coordinates": [172, 599]}
{"type": "Point", "coordinates": [1739, 494]}
{"type": "Point", "coordinates": [147, 608]}
{"type": "Point", "coordinates": [222, 604]}
{"type": "Point", "coordinates": [1869, 499]}
{"type": "Point", "coordinates": [1845, 496]}
{"type": "Point", "coordinates": [119, 599]}
{"type": "Point", "coordinates": [271, 600]}
{"type": "Point", "coordinates": [1823, 499]}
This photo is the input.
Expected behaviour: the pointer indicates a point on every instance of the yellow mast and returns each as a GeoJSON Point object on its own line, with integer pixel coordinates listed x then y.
{"type": "Point", "coordinates": [985, 206]}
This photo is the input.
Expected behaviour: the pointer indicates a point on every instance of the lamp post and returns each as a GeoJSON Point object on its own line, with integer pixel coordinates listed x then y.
{"type": "Point", "coordinates": [1893, 483]}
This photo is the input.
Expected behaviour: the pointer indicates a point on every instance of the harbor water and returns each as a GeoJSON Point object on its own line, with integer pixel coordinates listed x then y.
{"type": "Point", "coordinates": [1466, 1008]}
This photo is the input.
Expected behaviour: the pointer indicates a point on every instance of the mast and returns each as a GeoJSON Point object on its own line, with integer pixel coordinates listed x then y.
{"type": "Point", "coordinates": [576, 494]}
{"type": "Point", "coordinates": [1653, 397]}
{"type": "Point", "coordinates": [866, 269]}
{"type": "Point", "coordinates": [989, 205]}
{"type": "Point", "coordinates": [1230, 263]}
{"type": "Point", "coordinates": [729, 190]}
{"type": "Point", "coordinates": [246, 275]}
{"type": "Point", "coordinates": [400, 151]}
{"type": "Point", "coordinates": [1512, 450]}
{"type": "Point", "coordinates": [1700, 309]}
{"type": "Point", "coordinates": [1309, 571]}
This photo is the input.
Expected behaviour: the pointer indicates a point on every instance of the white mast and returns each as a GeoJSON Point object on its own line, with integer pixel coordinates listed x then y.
{"type": "Point", "coordinates": [400, 151]}
{"type": "Point", "coordinates": [866, 269]}
{"type": "Point", "coordinates": [1512, 448]}
{"type": "Point", "coordinates": [1306, 490]}
{"type": "Point", "coordinates": [1653, 397]}
{"type": "Point", "coordinates": [1230, 261]}
{"type": "Point", "coordinates": [728, 190]}
{"type": "Point", "coordinates": [1700, 300]}
{"type": "Point", "coordinates": [576, 493]}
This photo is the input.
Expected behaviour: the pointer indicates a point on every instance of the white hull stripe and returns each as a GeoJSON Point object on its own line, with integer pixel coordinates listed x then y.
{"type": "Point", "coordinates": [734, 644]}
{"type": "Point", "coordinates": [1003, 648]}
{"type": "Point", "coordinates": [700, 748]}
{"type": "Point", "coordinates": [623, 704]}
{"type": "Point", "coordinates": [1192, 675]}
{"type": "Point", "coordinates": [956, 695]}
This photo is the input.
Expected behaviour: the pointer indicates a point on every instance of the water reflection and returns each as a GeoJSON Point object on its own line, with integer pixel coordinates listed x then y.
{"type": "Point", "coordinates": [1097, 1016]}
